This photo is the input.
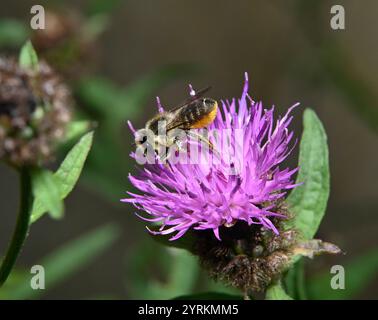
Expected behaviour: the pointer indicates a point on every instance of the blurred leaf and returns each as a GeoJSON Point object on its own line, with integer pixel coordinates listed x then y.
{"type": "Point", "coordinates": [360, 96]}
{"type": "Point", "coordinates": [95, 25]}
{"type": "Point", "coordinates": [28, 57]}
{"type": "Point", "coordinates": [185, 242]}
{"type": "Point", "coordinates": [121, 104]}
{"type": "Point", "coordinates": [111, 184]}
{"type": "Point", "coordinates": [105, 296]}
{"type": "Point", "coordinates": [102, 95]}
{"type": "Point", "coordinates": [107, 166]}
{"type": "Point", "coordinates": [46, 188]}
{"type": "Point", "coordinates": [16, 279]}
{"type": "Point", "coordinates": [209, 296]}
{"type": "Point", "coordinates": [309, 201]}
{"type": "Point", "coordinates": [65, 261]}
{"type": "Point", "coordinates": [77, 128]}
{"type": "Point", "coordinates": [178, 266]}
{"type": "Point", "coordinates": [146, 260]}
{"type": "Point", "coordinates": [13, 33]}
{"type": "Point", "coordinates": [295, 281]}
{"type": "Point", "coordinates": [68, 173]}
{"type": "Point", "coordinates": [102, 7]}
{"type": "Point", "coordinates": [359, 274]}
{"type": "Point", "coordinates": [180, 281]}
{"type": "Point", "coordinates": [276, 292]}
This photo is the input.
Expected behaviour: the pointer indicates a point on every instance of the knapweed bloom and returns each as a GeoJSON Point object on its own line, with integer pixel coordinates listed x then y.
{"type": "Point", "coordinates": [231, 210]}
{"type": "Point", "coordinates": [207, 196]}
{"type": "Point", "coordinates": [35, 107]}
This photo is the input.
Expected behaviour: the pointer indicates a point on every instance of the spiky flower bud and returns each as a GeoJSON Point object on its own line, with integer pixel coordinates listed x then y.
{"type": "Point", "coordinates": [35, 107]}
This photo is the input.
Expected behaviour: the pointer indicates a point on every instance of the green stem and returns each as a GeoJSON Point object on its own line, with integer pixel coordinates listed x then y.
{"type": "Point", "coordinates": [22, 225]}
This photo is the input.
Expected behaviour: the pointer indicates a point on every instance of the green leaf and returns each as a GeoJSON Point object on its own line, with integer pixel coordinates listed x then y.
{"type": "Point", "coordinates": [65, 261]}
{"type": "Point", "coordinates": [295, 281]}
{"type": "Point", "coordinates": [180, 281]}
{"type": "Point", "coordinates": [359, 273]}
{"type": "Point", "coordinates": [28, 57]}
{"type": "Point", "coordinates": [276, 292]}
{"type": "Point", "coordinates": [71, 167]}
{"type": "Point", "coordinates": [76, 129]}
{"type": "Point", "coordinates": [68, 173]}
{"type": "Point", "coordinates": [13, 33]}
{"type": "Point", "coordinates": [144, 256]}
{"type": "Point", "coordinates": [139, 92]}
{"type": "Point", "coordinates": [209, 296]}
{"type": "Point", "coordinates": [16, 279]}
{"type": "Point", "coordinates": [179, 267]}
{"type": "Point", "coordinates": [46, 188]}
{"type": "Point", "coordinates": [308, 202]}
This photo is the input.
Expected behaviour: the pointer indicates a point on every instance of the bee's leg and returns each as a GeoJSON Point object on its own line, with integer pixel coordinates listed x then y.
{"type": "Point", "coordinates": [205, 140]}
{"type": "Point", "coordinates": [164, 158]}
{"type": "Point", "coordinates": [178, 143]}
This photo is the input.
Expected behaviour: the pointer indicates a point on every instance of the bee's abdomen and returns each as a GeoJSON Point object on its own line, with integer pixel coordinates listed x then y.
{"type": "Point", "coordinates": [200, 114]}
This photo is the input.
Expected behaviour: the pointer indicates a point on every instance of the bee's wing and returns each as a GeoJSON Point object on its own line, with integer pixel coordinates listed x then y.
{"type": "Point", "coordinates": [179, 119]}
{"type": "Point", "coordinates": [176, 122]}
{"type": "Point", "coordinates": [198, 95]}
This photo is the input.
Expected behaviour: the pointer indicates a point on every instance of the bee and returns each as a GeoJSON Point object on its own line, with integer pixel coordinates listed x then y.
{"type": "Point", "coordinates": [195, 113]}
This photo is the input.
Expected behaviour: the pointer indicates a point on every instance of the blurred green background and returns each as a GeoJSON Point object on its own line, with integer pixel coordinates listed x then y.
{"type": "Point", "coordinates": [118, 55]}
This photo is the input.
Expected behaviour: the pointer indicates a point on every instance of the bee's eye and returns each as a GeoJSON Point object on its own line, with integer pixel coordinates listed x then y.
{"type": "Point", "coordinates": [141, 140]}
{"type": "Point", "coordinates": [208, 102]}
{"type": "Point", "coordinates": [141, 136]}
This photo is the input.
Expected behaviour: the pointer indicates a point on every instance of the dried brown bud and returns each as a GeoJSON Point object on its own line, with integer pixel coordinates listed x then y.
{"type": "Point", "coordinates": [66, 42]}
{"type": "Point", "coordinates": [252, 257]}
{"type": "Point", "coordinates": [34, 110]}
{"type": "Point", "coordinates": [248, 257]}
{"type": "Point", "coordinates": [59, 28]}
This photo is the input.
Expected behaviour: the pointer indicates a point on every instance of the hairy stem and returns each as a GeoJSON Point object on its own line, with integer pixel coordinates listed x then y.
{"type": "Point", "coordinates": [22, 225]}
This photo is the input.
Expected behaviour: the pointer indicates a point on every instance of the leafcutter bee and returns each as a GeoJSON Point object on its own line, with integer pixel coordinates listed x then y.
{"type": "Point", "coordinates": [195, 113]}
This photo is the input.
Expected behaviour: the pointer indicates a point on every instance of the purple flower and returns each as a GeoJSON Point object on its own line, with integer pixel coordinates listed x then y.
{"type": "Point", "coordinates": [205, 195]}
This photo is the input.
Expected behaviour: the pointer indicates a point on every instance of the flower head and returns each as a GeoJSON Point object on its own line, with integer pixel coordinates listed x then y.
{"type": "Point", "coordinates": [207, 195]}
{"type": "Point", "coordinates": [34, 111]}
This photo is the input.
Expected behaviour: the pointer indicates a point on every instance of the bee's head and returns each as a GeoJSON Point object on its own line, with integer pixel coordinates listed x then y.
{"type": "Point", "coordinates": [140, 137]}
{"type": "Point", "coordinates": [209, 103]}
